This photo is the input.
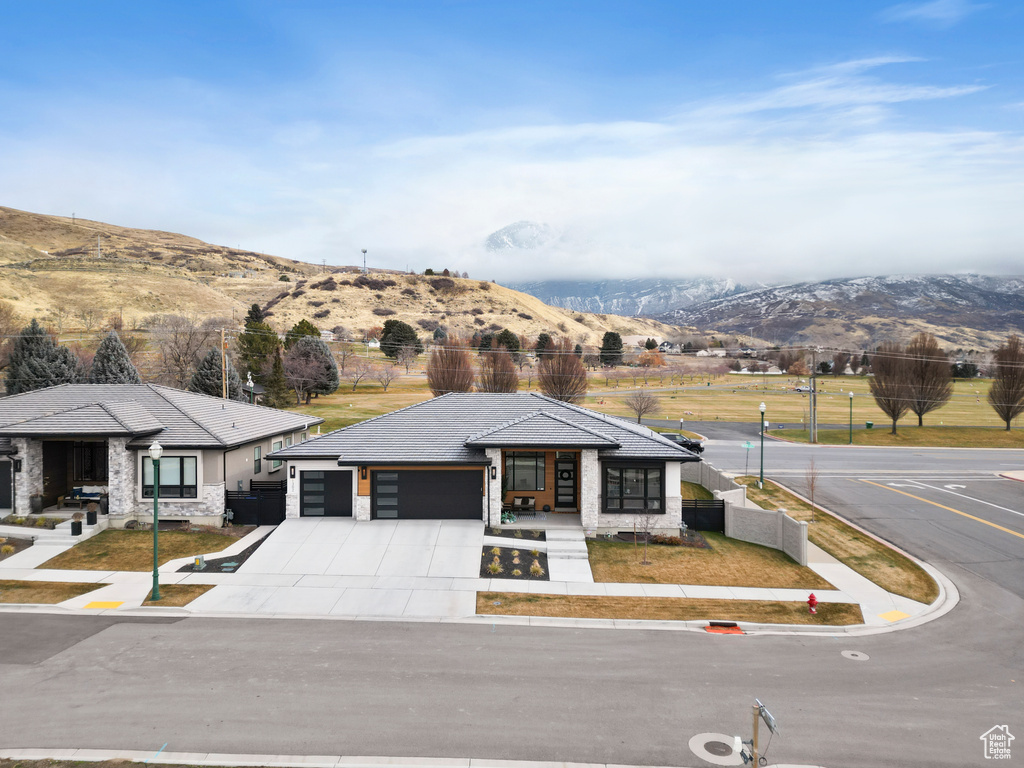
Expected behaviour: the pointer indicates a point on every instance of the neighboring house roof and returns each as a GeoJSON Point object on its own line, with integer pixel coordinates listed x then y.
{"type": "Point", "coordinates": [178, 419]}
{"type": "Point", "coordinates": [455, 428]}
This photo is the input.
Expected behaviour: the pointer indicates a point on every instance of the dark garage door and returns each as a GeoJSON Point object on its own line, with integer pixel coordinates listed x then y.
{"type": "Point", "coordinates": [325, 494]}
{"type": "Point", "coordinates": [422, 494]}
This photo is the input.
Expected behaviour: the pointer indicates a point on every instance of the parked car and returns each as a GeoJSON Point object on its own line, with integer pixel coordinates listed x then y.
{"type": "Point", "coordinates": [802, 389]}
{"type": "Point", "coordinates": [694, 446]}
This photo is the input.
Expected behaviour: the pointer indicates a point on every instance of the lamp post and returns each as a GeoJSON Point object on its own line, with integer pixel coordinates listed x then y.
{"type": "Point", "coordinates": [851, 417]}
{"type": "Point", "coordinates": [760, 483]}
{"type": "Point", "coordinates": [155, 452]}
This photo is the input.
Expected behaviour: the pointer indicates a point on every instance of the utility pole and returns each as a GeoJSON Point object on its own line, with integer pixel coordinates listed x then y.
{"type": "Point", "coordinates": [99, 248]}
{"type": "Point", "coordinates": [223, 365]}
{"type": "Point", "coordinates": [755, 752]}
{"type": "Point", "coordinates": [364, 261]}
{"type": "Point", "coordinates": [814, 396]}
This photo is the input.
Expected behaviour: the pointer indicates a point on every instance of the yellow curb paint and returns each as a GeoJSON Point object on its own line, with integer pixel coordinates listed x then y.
{"type": "Point", "coordinates": [894, 615]}
{"type": "Point", "coordinates": [105, 604]}
{"type": "Point", "coordinates": [949, 509]}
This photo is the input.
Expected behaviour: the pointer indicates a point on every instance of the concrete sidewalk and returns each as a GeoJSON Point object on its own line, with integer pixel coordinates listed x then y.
{"type": "Point", "coordinates": [275, 586]}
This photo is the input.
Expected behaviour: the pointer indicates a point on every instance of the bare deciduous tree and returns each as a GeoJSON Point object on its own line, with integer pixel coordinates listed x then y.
{"type": "Point", "coordinates": [561, 375]}
{"type": "Point", "coordinates": [301, 372]}
{"type": "Point", "coordinates": [182, 341]}
{"type": "Point", "coordinates": [889, 385]}
{"type": "Point", "coordinates": [497, 372]}
{"type": "Point", "coordinates": [641, 402]}
{"type": "Point", "coordinates": [1006, 395]}
{"type": "Point", "coordinates": [342, 354]}
{"type": "Point", "coordinates": [643, 525]}
{"type": "Point", "coordinates": [811, 476]}
{"type": "Point", "coordinates": [929, 376]}
{"type": "Point", "coordinates": [385, 374]}
{"type": "Point", "coordinates": [839, 362]}
{"type": "Point", "coordinates": [10, 325]}
{"type": "Point", "coordinates": [358, 370]}
{"type": "Point", "coordinates": [406, 357]}
{"type": "Point", "coordinates": [449, 368]}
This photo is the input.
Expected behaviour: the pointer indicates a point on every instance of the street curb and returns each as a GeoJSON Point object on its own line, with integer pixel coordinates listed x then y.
{"type": "Point", "coordinates": [288, 761]}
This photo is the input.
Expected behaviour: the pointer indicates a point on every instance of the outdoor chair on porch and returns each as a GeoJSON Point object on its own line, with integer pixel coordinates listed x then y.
{"type": "Point", "coordinates": [521, 506]}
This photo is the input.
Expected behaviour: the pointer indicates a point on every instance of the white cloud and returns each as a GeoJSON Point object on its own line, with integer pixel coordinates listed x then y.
{"type": "Point", "coordinates": [942, 13]}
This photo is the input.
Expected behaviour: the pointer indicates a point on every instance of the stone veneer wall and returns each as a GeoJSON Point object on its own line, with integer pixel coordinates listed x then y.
{"type": "Point", "coordinates": [590, 491]}
{"type": "Point", "coordinates": [30, 480]}
{"type": "Point", "coordinates": [493, 500]}
{"type": "Point", "coordinates": [121, 485]}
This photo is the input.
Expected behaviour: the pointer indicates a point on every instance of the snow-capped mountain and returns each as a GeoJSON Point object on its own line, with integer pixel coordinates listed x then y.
{"type": "Point", "coordinates": [959, 308]}
{"type": "Point", "coordinates": [522, 235]}
{"type": "Point", "coordinates": [632, 297]}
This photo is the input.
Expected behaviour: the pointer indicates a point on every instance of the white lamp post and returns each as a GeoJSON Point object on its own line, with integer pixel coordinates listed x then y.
{"type": "Point", "coordinates": [155, 452]}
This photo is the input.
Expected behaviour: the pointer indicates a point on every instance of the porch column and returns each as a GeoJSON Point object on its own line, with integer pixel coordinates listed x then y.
{"type": "Point", "coordinates": [590, 490]}
{"type": "Point", "coordinates": [29, 481]}
{"type": "Point", "coordinates": [494, 497]}
{"type": "Point", "coordinates": [121, 480]}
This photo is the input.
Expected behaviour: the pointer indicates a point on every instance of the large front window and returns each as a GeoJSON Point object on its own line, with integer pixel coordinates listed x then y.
{"type": "Point", "coordinates": [634, 489]}
{"type": "Point", "coordinates": [177, 477]}
{"type": "Point", "coordinates": [525, 471]}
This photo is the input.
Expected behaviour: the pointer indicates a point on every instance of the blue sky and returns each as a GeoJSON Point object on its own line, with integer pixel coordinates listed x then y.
{"type": "Point", "coordinates": [753, 140]}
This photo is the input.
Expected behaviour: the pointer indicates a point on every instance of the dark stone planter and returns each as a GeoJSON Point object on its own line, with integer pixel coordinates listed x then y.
{"type": "Point", "coordinates": [90, 517]}
{"type": "Point", "coordinates": [76, 527]}
{"type": "Point", "coordinates": [103, 504]}
{"type": "Point", "coordinates": [35, 503]}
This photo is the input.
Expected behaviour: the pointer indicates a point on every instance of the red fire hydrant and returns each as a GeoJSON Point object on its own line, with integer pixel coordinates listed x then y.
{"type": "Point", "coordinates": [812, 603]}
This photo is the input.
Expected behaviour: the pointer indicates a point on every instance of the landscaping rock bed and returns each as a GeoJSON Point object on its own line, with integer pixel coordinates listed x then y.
{"type": "Point", "coordinates": [513, 563]}
{"type": "Point", "coordinates": [35, 521]}
{"type": "Point", "coordinates": [10, 546]}
{"type": "Point", "coordinates": [228, 564]}
{"type": "Point", "coordinates": [689, 539]}
{"type": "Point", "coordinates": [518, 534]}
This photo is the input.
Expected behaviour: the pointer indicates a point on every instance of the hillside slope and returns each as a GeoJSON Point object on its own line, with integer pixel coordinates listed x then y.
{"type": "Point", "coordinates": [75, 273]}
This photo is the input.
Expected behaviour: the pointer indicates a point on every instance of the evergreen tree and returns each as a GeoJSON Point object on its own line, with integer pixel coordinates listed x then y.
{"type": "Point", "coordinates": [544, 345]}
{"type": "Point", "coordinates": [398, 335]}
{"type": "Point", "coordinates": [256, 344]}
{"type": "Point", "coordinates": [36, 361]}
{"type": "Point", "coordinates": [207, 379]}
{"type": "Point", "coordinates": [486, 342]}
{"type": "Point", "coordinates": [310, 368]}
{"type": "Point", "coordinates": [111, 365]}
{"type": "Point", "coordinates": [578, 351]}
{"type": "Point", "coordinates": [276, 392]}
{"type": "Point", "coordinates": [611, 349]}
{"type": "Point", "coordinates": [300, 329]}
{"type": "Point", "coordinates": [509, 341]}
{"type": "Point", "coordinates": [650, 344]}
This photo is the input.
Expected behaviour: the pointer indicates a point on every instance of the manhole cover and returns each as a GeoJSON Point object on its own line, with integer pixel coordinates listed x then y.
{"type": "Point", "coordinates": [718, 748]}
{"type": "Point", "coordinates": [855, 655]}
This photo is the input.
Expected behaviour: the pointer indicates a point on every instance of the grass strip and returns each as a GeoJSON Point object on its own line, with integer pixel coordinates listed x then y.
{"type": "Point", "coordinates": [177, 595]}
{"type": "Point", "coordinates": [133, 550]}
{"type": "Point", "coordinates": [729, 563]}
{"type": "Point", "coordinates": [49, 592]}
{"type": "Point", "coordinates": [913, 437]}
{"type": "Point", "coordinates": [870, 558]}
{"type": "Point", "coordinates": [690, 490]}
{"type": "Point", "coordinates": [665, 609]}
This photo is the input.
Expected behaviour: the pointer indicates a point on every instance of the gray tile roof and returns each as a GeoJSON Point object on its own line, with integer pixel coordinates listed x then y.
{"type": "Point", "coordinates": [437, 430]}
{"type": "Point", "coordinates": [543, 430]}
{"type": "Point", "coordinates": [177, 418]}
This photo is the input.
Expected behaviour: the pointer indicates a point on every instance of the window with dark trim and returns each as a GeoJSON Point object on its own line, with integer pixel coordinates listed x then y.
{"type": "Point", "coordinates": [257, 460]}
{"type": "Point", "coordinates": [525, 471]}
{"type": "Point", "coordinates": [178, 477]}
{"type": "Point", "coordinates": [277, 445]}
{"type": "Point", "coordinates": [634, 489]}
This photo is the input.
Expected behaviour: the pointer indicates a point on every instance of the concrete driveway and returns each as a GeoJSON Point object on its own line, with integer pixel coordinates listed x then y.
{"type": "Point", "coordinates": [341, 567]}
{"type": "Point", "coordinates": [338, 546]}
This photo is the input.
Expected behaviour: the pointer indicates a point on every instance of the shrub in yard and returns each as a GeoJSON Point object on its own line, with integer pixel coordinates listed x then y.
{"type": "Point", "coordinates": [535, 569]}
{"type": "Point", "coordinates": [322, 313]}
{"type": "Point", "coordinates": [674, 541]}
{"type": "Point", "coordinates": [495, 568]}
{"type": "Point", "coordinates": [345, 282]}
{"type": "Point", "coordinates": [517, 572]}
{"type": "Point", "coordinates": [535, 552]}
{"type": "Point", "coordinates": [6, 550]}
{"type": "Point", "coordinates": [496, 551]}
{"type": "Point", "coordinates": [383, 311]}
{"type": "Point", "coordinates": [42, 522]}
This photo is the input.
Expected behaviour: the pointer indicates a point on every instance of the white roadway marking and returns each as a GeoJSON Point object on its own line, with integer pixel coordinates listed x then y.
{"type": "Point", "coordinates": [969, 498]}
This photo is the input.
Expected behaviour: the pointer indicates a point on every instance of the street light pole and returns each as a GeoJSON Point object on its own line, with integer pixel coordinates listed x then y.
{"type": "Point", "coordinates": [851, 417]}
{"type": "Point", "coordinates": [155, 452]}
{"type": "Point", "coordinates": [760, 483]}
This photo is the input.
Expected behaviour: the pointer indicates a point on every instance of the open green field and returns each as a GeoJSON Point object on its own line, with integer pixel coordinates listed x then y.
{"type": "Point", "coordinates": [914, 437]}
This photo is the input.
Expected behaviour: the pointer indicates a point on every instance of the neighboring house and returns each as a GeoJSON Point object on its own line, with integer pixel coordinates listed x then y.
{"type": "Point", "coordinates": [451, 456]}
{"type": "Point", "coordinates": [57, 439]}
{"type": "Point", "coordinates": [327, 335]}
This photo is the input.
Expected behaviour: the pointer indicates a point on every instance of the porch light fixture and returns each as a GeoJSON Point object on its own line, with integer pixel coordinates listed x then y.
{"type": "Point", "coordinates": [291, 471]}
{"type": "Point", "coordinates": [760, 483]}
{"type": "Point", "coordinates": [362, 473]}
{"type": "Point", "coordinates": [494, 473]}
{"type": "Point", "coordinates": [155, 452]}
